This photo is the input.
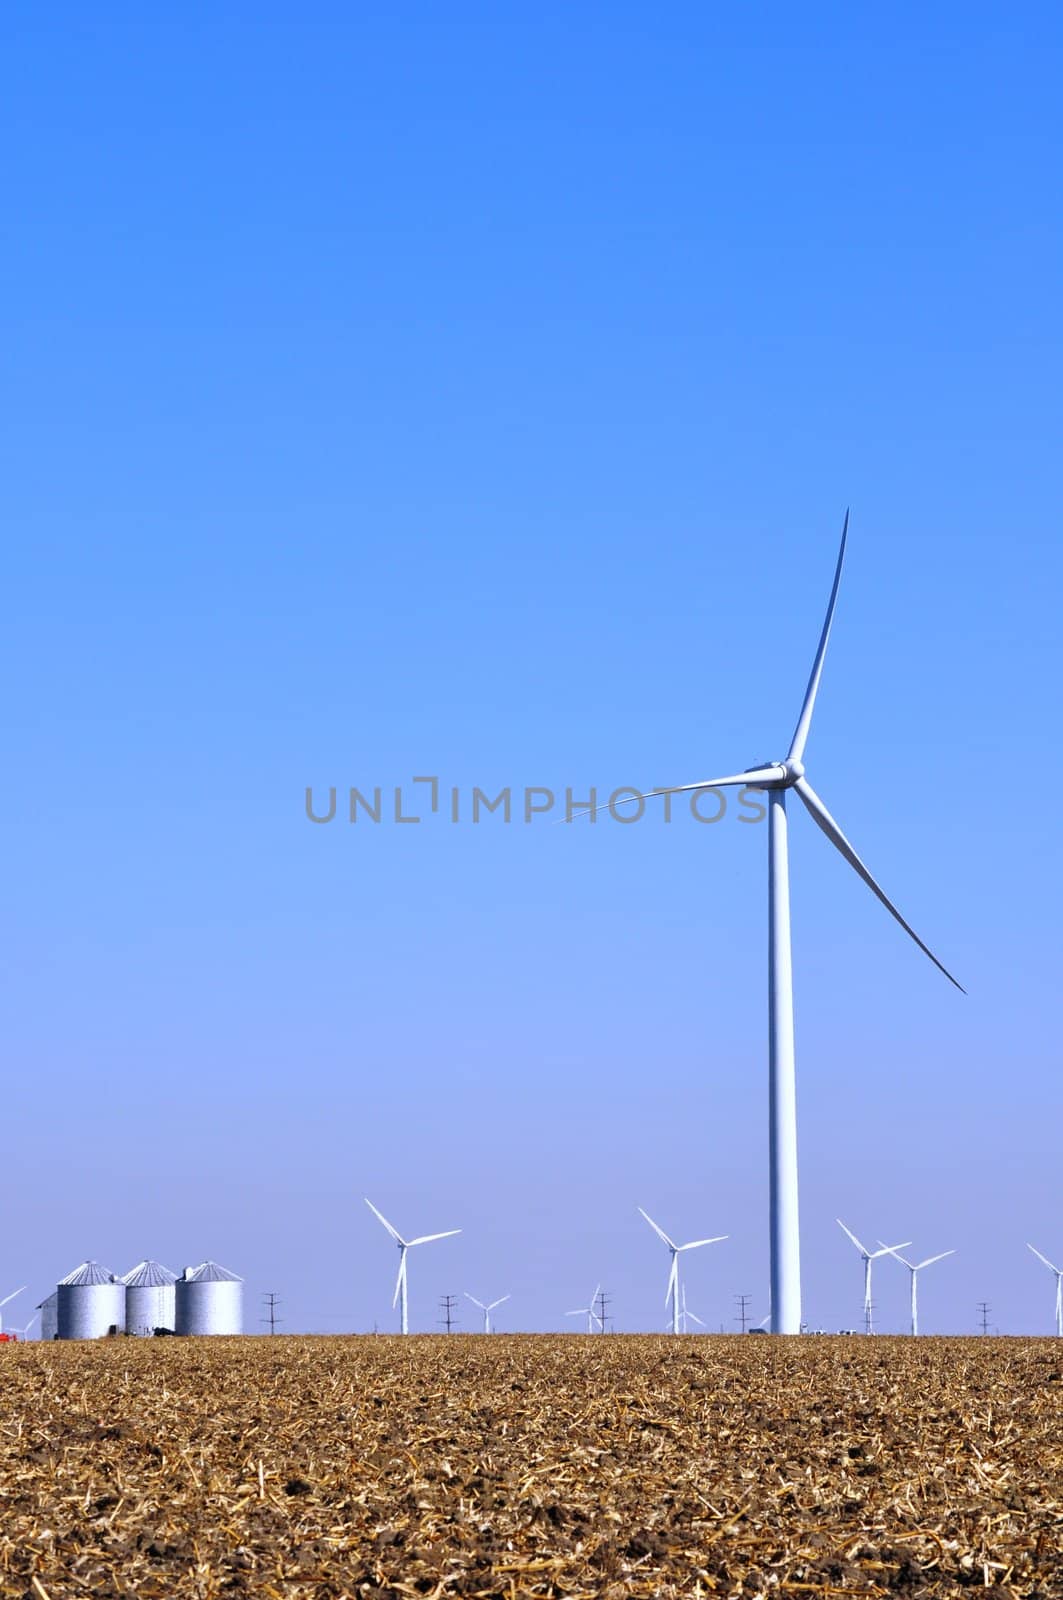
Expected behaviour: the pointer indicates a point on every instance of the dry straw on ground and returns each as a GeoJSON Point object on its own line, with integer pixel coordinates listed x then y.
{"type": "Point", "coordinates": [509, 1466]}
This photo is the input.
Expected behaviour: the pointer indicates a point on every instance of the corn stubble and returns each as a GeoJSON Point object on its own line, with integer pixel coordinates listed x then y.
{"type": "Point", "coordinates": [525, 1466]}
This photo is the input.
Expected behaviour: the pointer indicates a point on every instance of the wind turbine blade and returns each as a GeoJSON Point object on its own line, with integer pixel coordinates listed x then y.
{"type": "Point", "coordinates": [673, 1274]}
{"type": "Point", "coordinates": [426, 1238]}
{"type": "Point", "coordinates": [402, 1274]}
{"type": "Point", "coordinates": [751, 779]}
{"type": "Point", "coordinates": [823, 819]}
{"type": "Point", "coordinates": [693, 1317]}
{"type": "Point", "coordinates": [11, 1296]}
{"type": "Point", "coordinates": [583, 1311]}
{"type": "Point", "coordinates": [895, 1250]}
{"type": "Point", "coordinates": [479, 1303]}
{"type": "Point", "coordinates": [1039, 1256]}
{"type": "Point", "coordinates": [659, 1231]}
{"type": "Point", "coordinates": [890, 1250]}
{"type": "Point", "coordinates": [695, 1244]}
{"type": "Point", "coordinates": [380, 1218]}
{"type": "Point", "coordinates": [929, 1262]}
{"type": "Point", "coordinates": [804, 721]}
{"type": "Point", "coordinates": [500, 1302]}
{"type": "Point", "coordinates": [851, 1235]}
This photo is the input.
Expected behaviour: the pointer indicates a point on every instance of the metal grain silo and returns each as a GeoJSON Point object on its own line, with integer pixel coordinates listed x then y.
{"type": "Point", "coordinates": [149, 1298]}
{"type": "Point", "coordinates": [90, 1303]}
{"type": "Point", "coordinates": [49, 1316]}
{"type": "Point", "coordinates": [209, 1299]}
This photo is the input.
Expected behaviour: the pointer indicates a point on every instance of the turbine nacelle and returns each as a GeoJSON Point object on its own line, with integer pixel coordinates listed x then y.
{"type": "Point", "coordinates": [778, 774]}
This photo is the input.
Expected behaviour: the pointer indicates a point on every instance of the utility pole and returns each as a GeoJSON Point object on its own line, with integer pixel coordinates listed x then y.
{"type": "Point", "coordinates": [603, 1302]}
{"type": "Point", "coordinates": [742, 1301]}
{"type": "Point", "coordinates": [447, 1303]}
{"type": "Point", "coordinates": [984, 1309]}
{"type": "Point", "coordinates": [272, 1301]}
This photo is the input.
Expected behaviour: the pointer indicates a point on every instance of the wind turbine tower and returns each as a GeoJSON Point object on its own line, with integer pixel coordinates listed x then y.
{"type": "Point", "coordinates": [778, 778]}
{"type": "Point", "coordinates": [868, 1257]}
{"type": "Point", "coordinates": [672, 1292]}
{"type": "Point", "coordinates": [915, 1268]}
{"type": "Point", "coordinates": [1059, 1288]}
{"type": "Point", "coordinates": [406, 1245]}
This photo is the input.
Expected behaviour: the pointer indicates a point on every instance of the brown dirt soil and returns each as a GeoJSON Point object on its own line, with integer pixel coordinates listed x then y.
{"type": "Point", "coordinates": [523, 1466]}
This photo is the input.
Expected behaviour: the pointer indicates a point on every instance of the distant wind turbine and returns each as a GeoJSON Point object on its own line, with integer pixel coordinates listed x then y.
{"type": "Point", "coordinates": [406, 1245]}
{"type": "Point", "coordinates": [4, 1301]}
{"type": "Point", "coordinates": [671, 1294]}
{"type": "Point", "coordinates": [487, 1310]}
{"type": "Point", "coordinates": [778, 777]}
{"type": "Point", "coordinates": [915, 1268]}
{"type": "Point", "coordinates": [24, 1333]}
{"type": "Point", "coordinates": [589, 1312]}
{"type": "Point", "coordinates": [1059, 1287]}
{"type": "Point", "coordinates": [868, 1257]}
{"type": "Point", "coordinates": [688, 1316]}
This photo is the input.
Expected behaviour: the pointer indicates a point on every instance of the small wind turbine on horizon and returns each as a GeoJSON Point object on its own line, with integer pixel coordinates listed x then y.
{"type": "Point", "coordinates": [487, 1310]}
{"type": "Point", "coordinates": [1059, 1287]}
{"type": "Point", "coordinates": [4, 1302]}
{"type": "Point", "coordinates": [777, 778]}
{"type": "Point", "coordinates": [915, 1268]}
{"type": "Point", "coordinates": [23, 1333]}
{"type": "Point", "coordinates": [671, 1294]}
{"type": "Point", "coordinates": [405, 1245]}
{"type": "Point", "coordinates": [589, 1312]}
{"type": "Point", "coordinates": [868, 1257]}
{"type": "Point", "coordinates": [688, 1316]}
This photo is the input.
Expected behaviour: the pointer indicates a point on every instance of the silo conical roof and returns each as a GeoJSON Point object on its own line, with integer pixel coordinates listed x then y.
{"type": "Point", "coordinates": [149, 1275]}
{"type": "Point", "coordinates": [211, 1272]}
{"type": "Point", "coordinates": [89, 1272]}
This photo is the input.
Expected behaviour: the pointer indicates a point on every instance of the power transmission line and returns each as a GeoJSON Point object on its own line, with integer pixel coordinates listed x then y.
{"type": "Point", "coordinates": [984, 1309]}
{"type": "Point", "coordinates": [603, 1301]}
{"type": "Point", "coordinates": [272, 1301]}
{"type": "Point", "coordinates": [447, 1303]}
{"type": "Point", "coordinates": [742, 1301]}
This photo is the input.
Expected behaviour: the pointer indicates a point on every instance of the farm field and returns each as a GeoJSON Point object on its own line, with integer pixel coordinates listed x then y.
{"type": "Point", "coordinates": [510, 1465]}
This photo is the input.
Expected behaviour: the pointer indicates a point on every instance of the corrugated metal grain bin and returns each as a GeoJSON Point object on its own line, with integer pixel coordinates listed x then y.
{"type": "Point", "coordinates": [49, 1316]}
{"type": "Point", "coordinates": [90, 1303]}
{"type": "Point", "coordinates": [209, 1299]}
{"type": "Point", "coordinates": [149, 1299]}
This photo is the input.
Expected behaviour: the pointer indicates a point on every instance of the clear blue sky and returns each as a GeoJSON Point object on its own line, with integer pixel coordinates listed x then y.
{"type": "Point", "coordinates": [478, 392]}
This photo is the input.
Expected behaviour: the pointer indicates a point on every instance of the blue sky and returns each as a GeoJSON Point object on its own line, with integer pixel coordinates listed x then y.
{"type": "Point", "coordinates": [469, 393]}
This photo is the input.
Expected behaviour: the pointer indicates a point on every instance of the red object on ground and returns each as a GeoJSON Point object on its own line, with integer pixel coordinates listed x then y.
{"type": "Point", "coordinates": [8, 1338]}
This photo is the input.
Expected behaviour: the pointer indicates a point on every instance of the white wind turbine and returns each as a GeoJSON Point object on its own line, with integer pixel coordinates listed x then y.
{"type": "Point", "coordinates": [777, 777]}
{"type": "Point", "coordinates": [406, 1245]}
{"type": "Point", "coordinates": [1059, 1287]}
{"type": "Point", "coordinates": [589, 1312]}
{"type": "Point", "coordinates": [24, 1333]}
{"type": "Point", "coordinates": [915, 1268]}
{"type": "Point", "coordinates": [671, 1294]}
{"type": "Point", "coordinates": [487, 1310]}
{"type": "Point", "coordinates": [868, 1257]}
{"type": "Point", "coordinates": [688, 1316]}
{"type": "Point", "coordinates": [4, 1301]}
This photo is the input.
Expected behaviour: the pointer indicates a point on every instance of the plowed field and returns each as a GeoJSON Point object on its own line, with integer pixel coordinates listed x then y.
{"type": "Point", "coordinates": [524, 1466]}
